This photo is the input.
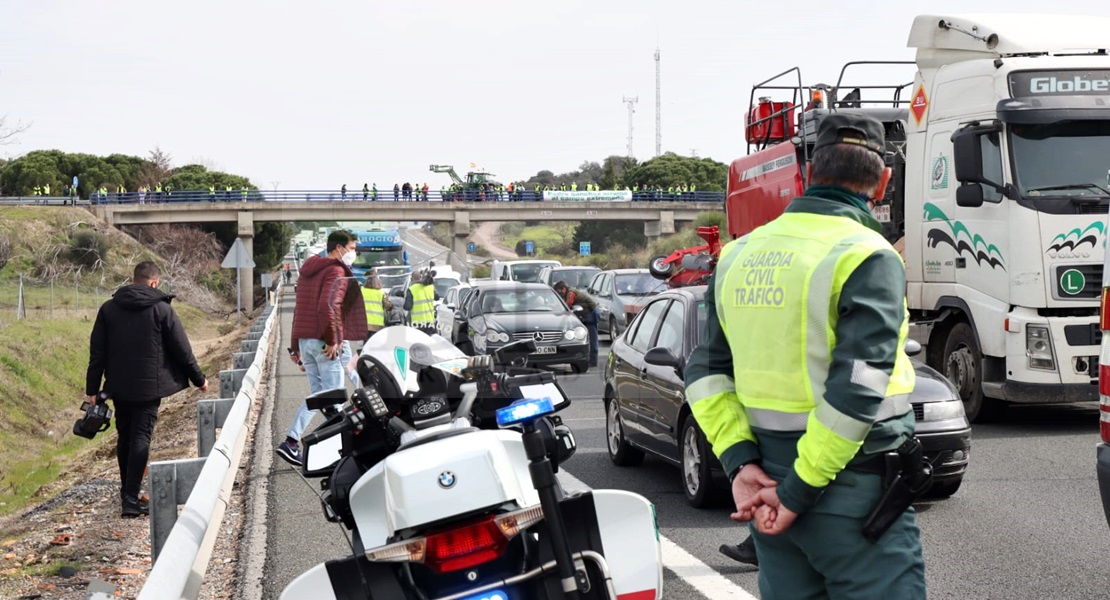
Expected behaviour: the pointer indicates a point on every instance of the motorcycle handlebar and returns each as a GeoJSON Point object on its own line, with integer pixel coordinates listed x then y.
{"type": "Point", "coordinates": [326, 432]}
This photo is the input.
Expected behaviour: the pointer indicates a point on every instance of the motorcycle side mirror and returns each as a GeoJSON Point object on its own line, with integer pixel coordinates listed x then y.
{"type": "Point", "coordinates": [513, 351]}
{"type": "Point", "coordinates": [912, 347]}
{"type": "Point", "coordinates": [662, 357]}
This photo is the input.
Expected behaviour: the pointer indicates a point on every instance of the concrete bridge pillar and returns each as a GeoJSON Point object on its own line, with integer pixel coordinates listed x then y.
{"type": "Point", "coordinates": [246, 234]}
{"type": "Point", "coordinates": [664, 226]}
{"type": "Point", "coordinates": [459, 240]}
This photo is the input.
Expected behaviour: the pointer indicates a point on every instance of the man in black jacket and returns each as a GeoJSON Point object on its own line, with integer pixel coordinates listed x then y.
{"type": "Point", "coordinates": [140, 349]}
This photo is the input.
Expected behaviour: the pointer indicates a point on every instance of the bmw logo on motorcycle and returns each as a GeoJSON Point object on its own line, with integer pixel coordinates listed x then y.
{"type": "Point", "coordinates": [447, 480]}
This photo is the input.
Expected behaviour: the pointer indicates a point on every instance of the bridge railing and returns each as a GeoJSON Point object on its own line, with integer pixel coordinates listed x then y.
{"type": "Point", "coordinates": [389, 196]}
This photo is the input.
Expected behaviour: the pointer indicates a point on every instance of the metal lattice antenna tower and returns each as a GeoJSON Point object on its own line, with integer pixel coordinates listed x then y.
{"type": "Point", "coordinates": [658, 107]}
{"type": "Point", "coordinates": [631, 102]}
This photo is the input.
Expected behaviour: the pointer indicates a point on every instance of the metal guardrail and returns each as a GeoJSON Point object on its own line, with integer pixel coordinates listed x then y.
{"type": "Point", "coordinates": [356, 196]}
{"type": "Point", "coordinates": [204, 484]}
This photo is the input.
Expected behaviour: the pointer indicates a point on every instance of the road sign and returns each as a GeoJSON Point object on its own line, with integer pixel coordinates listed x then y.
{"type": "Point", "coordinates": [471, 247]}
{"type": "Point", "coordinates": [238, 257]}
{"type": "Point", "coordinates": [584, 248]}
{"type": "Point", "coordinates": [1072, 281]}
{"type": "Point", "coordinates": [529, 248]}
{"type": "Point", "coordinates": [75, 181]}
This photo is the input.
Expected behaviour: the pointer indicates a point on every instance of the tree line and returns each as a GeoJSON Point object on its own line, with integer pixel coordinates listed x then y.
{"type": "Point", "coordinates": [18, 177]}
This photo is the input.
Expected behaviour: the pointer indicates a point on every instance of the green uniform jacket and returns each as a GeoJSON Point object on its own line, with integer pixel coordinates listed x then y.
{"type": "Point", "coordinates": [871, 311]}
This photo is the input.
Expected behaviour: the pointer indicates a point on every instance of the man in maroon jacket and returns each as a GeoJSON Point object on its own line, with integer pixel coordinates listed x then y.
{"type": "Point", "coordinates": [329, 311]}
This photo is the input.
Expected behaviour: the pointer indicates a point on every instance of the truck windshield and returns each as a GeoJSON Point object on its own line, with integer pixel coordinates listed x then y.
{"type": "Point", "coordinates": [1066, 159]}
{"type": "Point", "coordinates": [373, 257]}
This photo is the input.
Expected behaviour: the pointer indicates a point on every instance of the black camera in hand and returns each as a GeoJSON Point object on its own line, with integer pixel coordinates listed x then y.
{"type": "Point", "coordinates": [97, 419]}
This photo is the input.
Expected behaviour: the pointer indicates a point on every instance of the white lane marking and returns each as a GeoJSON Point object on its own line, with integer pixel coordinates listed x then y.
{"type": "Point", "coordinates": [688, 567]}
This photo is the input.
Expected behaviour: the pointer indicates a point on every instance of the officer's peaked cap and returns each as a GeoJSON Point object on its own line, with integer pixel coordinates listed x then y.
{"type": "Point", "coordinates": [858, 130]}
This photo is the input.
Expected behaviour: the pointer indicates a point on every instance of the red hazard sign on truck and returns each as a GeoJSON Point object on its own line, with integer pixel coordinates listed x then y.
{"type": "Point", "coordinates": [919, 104]}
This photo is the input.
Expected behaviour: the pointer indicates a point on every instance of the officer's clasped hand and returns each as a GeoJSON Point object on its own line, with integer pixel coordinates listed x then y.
{"type": "Point", "coordinates": [745, 486]}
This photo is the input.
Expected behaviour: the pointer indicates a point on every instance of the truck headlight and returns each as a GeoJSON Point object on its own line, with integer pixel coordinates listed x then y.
{"type": "Point", "coordinates": [1038, 347]}
{"type": "Point", "coordinates": [942, 411]}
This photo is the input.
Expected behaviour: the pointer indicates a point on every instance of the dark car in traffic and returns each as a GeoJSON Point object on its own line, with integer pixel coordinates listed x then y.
{"type": "Point", "coordinates": [496, 313]}
{"type": "Point", "coordinates": [577, 278]}
{"type": "Point", "coordinates": [646, 409]}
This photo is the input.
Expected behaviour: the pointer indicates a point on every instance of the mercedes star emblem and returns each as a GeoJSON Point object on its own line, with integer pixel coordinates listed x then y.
{"type": "Point", "coordinates": [447, 480]}
{"type": "Point", "coordinates": [538, 336]}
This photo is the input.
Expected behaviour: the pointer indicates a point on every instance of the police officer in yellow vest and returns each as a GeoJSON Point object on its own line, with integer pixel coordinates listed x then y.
{"type": "Point", "coordinates": [420, 301]}
{"type": "Point", "coordinates": [377, 302]}
{"type": "Point", "coordinates": [801, 384]}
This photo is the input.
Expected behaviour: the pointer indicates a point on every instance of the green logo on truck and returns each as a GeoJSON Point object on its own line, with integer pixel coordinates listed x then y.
{"type": "Point", "coordinates": [1072, 240]}
{"type": "Point", "coordinates": [957, 235]}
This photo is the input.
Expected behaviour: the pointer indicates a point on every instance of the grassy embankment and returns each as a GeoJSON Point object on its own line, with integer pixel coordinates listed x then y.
{"type": "Point", "coordinates": [43, 359]}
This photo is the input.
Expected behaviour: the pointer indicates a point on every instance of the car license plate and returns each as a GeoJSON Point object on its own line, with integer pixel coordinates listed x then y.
{"type": "Point", "coordinates": [545, 350]}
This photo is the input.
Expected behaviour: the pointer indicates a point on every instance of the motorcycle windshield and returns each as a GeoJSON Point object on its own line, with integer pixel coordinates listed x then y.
{"type": "Point", "coordinates": [404, 350]}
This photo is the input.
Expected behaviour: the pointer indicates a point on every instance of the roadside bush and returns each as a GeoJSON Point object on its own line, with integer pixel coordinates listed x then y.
{"type": "Point", "coordinates": [480, 271]}
{"type": "Point", "coordinates": [5, 250]}
{"type": "Point", "coordinates": [713, 217]}
{"type": "Point", "coordinates": [481, 251]}
{"type": "Point", "coordinates": [88, 248]}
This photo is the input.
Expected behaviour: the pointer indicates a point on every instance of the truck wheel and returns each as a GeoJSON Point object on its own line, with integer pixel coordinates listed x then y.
{"type": "Point", "coordinates": [962, 364]}
{"type": "Point", "coordinates": [659, 269]}
{"type": "Point", "coordinates": [620, 451]}
{"type": "Point", "coordinates": [697, 478]}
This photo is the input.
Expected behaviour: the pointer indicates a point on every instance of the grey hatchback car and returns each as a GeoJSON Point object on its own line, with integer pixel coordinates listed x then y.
{"type": "Point", "coordinates": [646, 409]}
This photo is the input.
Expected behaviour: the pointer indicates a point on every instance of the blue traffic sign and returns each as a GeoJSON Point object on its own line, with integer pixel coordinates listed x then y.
{"type": "Point", "coordinates": [471, 247]}
{"type": "Point", "coordinates": [74, 181]}
{"type": "Point", "coordinates": [529, 248]}
{"type": "Point", "coordinates": [584, 248]}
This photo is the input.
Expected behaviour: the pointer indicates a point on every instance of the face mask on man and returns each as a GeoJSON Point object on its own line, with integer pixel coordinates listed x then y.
{"type": "Point", "coordinates": [349, 258]}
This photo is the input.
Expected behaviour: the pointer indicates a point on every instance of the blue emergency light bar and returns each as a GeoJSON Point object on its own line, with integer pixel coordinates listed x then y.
{"type": "Point", "coordinates": [524, 410]}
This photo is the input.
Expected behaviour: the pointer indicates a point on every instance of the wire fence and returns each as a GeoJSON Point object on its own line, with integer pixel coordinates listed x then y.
{"type": "Point", "coordinates": [27, 299]}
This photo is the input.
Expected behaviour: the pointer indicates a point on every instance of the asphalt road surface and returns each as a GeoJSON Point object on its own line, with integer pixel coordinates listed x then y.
{"type": "Point", "coordinates": [1027, 523]}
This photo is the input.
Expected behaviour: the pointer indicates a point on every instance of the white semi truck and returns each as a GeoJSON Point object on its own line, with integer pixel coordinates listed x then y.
{"type": "Point", "coordinates": [1001, 155]}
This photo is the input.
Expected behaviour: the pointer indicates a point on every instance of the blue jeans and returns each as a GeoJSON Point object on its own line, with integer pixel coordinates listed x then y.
{"type": "Point", "coordinates": [323, 374]}
{"type": "Point", "coordinates": [590, 321]}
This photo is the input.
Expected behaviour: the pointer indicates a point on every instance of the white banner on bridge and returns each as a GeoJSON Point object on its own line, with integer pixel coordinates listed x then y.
{"type": "Point", "coordinates": [598, 196]}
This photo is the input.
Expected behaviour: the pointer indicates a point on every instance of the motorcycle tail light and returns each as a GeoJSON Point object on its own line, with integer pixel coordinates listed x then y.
{"type": "Point", "coordinates": [463, 547]}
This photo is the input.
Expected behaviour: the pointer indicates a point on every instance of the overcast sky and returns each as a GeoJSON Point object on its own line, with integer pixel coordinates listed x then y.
{"type": "Point", "coordinates": [313, 95]}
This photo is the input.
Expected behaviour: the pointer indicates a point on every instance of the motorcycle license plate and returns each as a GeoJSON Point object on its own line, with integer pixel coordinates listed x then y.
{"type": "Point", "coordinates": [545, 350]}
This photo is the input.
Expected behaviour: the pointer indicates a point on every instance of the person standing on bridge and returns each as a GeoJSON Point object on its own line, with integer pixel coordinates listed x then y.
{"type": "Point", "coordinates": [343, 193]}
{"type": "Point", "coordinates": [365, 192]}
{"type": "Point", "coordinates": [140, 350]}
{"type": "Point", "coordinates": [801, 382]}
{"type": "Point", "coordinates": [328, 313]}
{"type": "Point", "coordinates": [396, 192]}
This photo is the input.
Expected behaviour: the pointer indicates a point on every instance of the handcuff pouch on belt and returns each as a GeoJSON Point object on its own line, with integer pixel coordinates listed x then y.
{"type": "Point", "coordinates": [908, 476]}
